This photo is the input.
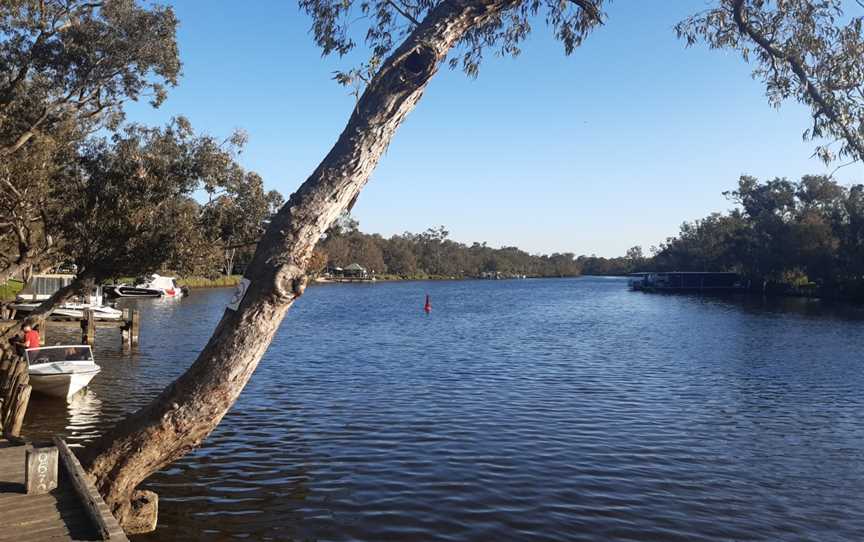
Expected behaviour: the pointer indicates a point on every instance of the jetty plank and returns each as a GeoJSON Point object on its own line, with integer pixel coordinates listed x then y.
{"type": "Point", "coordinates": [60, 514]}
{"type": "Point", "coordinates": [85, 489]}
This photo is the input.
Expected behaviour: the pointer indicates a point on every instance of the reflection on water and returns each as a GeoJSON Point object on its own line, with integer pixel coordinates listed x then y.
{"type": "Point", "coordinates": [80, 416]}
{"type": "Point", "coordinates": [517, 410]}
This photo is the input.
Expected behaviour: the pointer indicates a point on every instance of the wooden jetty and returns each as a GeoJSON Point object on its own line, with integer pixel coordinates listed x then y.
{"type": "Point", "coordinates": [687, 281]}
{"type": "Point", "coordinates": [129, 325]}
{"type": "Point", "coordinates": [74, 510]}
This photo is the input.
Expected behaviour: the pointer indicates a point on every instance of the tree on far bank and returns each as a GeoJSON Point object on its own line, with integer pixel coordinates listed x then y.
{"type": "Point", "coordinates": [236, 214]}
{"type": "Point", "coordinates": [783, 234]}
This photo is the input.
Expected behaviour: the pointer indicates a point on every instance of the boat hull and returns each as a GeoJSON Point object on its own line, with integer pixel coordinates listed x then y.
{"type": "Point", "coordinates": [63, 385]}
{"type": "Point", "coordinates": [101, 313]}
{"type": "Point", "coordinates": [131, 291]}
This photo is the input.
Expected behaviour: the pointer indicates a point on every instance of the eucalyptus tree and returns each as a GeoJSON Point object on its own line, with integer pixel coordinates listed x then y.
{"type": "Point", "coordinates": [802, 51]}
{"type": "Point", "coordinates": [236, 213]}
{"type": "Point", "coordinates": [407, 42]}
{"type": "Point", "coordinates": [127, 201]}
{"type": "Point", "coordinates": [66, 69]}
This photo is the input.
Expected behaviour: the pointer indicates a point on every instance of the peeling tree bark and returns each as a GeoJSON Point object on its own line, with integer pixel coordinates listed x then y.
{"type": "Point", "coordinates": [187, 411]}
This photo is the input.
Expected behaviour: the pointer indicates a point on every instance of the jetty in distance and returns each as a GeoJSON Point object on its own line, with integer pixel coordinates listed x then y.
{"type": "Point", "coordinates": [686, 281]}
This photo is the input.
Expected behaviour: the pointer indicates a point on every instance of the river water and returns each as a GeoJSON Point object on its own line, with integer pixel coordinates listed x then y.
{"type": "Point", "coordinates": [565, 409]}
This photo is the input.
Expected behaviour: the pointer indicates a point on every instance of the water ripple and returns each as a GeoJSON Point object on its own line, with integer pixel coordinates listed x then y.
{"type": "Point", "coordinates": [526, 410]}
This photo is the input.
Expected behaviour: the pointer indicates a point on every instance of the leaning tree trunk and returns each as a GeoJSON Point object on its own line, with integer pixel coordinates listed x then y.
{"type": "Point", "coordinates": [191, 407]}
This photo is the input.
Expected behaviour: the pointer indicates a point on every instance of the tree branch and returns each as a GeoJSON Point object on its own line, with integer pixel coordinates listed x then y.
{"type": "Point", "coordinates": [403, 13]}
{"type": "Point", "coordinates": [799, 68]}
{"type": "Point", "coordinates": [590, 8]}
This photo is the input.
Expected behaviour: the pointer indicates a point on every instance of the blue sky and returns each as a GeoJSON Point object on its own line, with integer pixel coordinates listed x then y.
{"type": "Point", "coordinates": [611, 147]}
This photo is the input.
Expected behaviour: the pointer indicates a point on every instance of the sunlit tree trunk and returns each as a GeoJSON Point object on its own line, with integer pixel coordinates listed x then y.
{"type": "Point", "coordinates": [191, 407]}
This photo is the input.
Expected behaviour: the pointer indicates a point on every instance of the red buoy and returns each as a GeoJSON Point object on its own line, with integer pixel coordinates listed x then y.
{"type": "Point", "coordinates": [428, 306]}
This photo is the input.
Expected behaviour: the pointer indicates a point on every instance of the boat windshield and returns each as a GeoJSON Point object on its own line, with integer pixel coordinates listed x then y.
{"type": "Point", "coordinates": [51, 354]}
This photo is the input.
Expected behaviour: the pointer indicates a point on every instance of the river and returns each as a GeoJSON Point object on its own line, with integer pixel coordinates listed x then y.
{"type": "Point", "coordinates": [566, 409]}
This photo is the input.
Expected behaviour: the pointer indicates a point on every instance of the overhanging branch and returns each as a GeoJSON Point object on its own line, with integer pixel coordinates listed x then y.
{"type": "Point", "coordinates": [799, 68]}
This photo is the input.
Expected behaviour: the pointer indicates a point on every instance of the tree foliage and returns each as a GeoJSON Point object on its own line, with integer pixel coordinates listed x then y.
{"type": "Point", "coordinates": [66, 69]}
{"type": "Point", "coordinates": [390, 21]}
{"type": "Point", "coordinates": [802, 50]}
{"type": "Point", "coordinates": [122, 204]}
{"type": "Point", "coordinates": [63, 60]}
{"type": "Point", "coordinates": [783, 232]}
{"type": "Point", "coordinates": [236, 214]}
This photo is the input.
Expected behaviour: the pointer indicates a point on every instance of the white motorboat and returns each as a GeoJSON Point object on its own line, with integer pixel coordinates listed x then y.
{"type": "Point", "coordinates": [75, 310]}
{"type": "Point", "coordinates": [41, 287]}
{"type": "Point", "coordinates": [61, 371]}
{"type": "Point", "coordinates": [153, 286]}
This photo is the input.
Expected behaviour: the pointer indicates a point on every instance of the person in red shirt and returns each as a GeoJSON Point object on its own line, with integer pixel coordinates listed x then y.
{"type": "Point", "coordinates": [29, 340]}
{"type": "Point", "coordinates": [31, 337]}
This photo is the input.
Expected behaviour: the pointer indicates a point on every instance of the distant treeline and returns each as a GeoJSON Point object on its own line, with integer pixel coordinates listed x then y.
{"type": "Point", "coordinates": [432, 254]}
{"type": "Point", "coordinates": [784, 237]}
{"type": "Point", "coordinates": [804, 237]}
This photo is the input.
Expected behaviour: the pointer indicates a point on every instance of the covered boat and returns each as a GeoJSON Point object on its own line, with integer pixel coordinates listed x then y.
{"type": "Point", "coordinates": [61, 371]}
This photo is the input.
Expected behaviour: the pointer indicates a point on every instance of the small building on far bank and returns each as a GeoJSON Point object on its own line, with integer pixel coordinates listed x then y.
{"type": "Point", "coordinates": [355, 271]}
{"type": "Point", "coordinates": [351, 273]}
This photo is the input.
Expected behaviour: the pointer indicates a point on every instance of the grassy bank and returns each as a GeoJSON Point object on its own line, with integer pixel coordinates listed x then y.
{"type": "Point", "coordinates": [203, 282]}
{"type": "Point", "coordinates": [192, 282]}
{"type": "Point", "coordinates": [9, 290]}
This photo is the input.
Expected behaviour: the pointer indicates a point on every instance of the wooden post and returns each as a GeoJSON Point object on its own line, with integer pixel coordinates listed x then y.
{"type": "Point", "coordinates": [126, 328]}
{"type": "Point", "coordinates": [43, 333]}
{"type": "Point", "coordinates": [16, 396]}
{"type": "Point", "coordinates": [40, 475]}
{"type": "Point", "coordinates": [134, 326]}
{"type": "Point", "coordinates": [20, 410]}
{"type": "Point", "coordinates": [88, 328]}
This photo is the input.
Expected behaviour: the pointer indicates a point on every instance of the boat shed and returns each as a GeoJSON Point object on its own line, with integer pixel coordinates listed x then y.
{"type": "Point", "coordinates": [692, 281]}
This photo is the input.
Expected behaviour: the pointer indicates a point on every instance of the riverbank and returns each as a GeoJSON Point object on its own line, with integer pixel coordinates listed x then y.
{"type": "Point", "coordinates": [204, 282]}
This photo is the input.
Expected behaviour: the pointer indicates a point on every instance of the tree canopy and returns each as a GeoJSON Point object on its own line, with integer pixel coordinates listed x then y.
{"type": "Point", "coordinates": [786, 233]}
{"type": "Point", "coordinates": [66, 69]}
{"type": "Point", "coordinates": [78, 61]}
{"type": "Point", "coordinates": [125, 205]}
{"type": "Point", "coordinates": [803, 50]}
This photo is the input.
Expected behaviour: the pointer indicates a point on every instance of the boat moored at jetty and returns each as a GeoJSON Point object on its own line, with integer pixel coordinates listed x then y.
{"type": "Point", "coordinates": [153, 286]}
{"type": "Point", "coordinates": [41, 287]}
{"type": "Point", "coordinates": [686, 281]}
{"type": "Point", "coordinates": [61, 371]}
